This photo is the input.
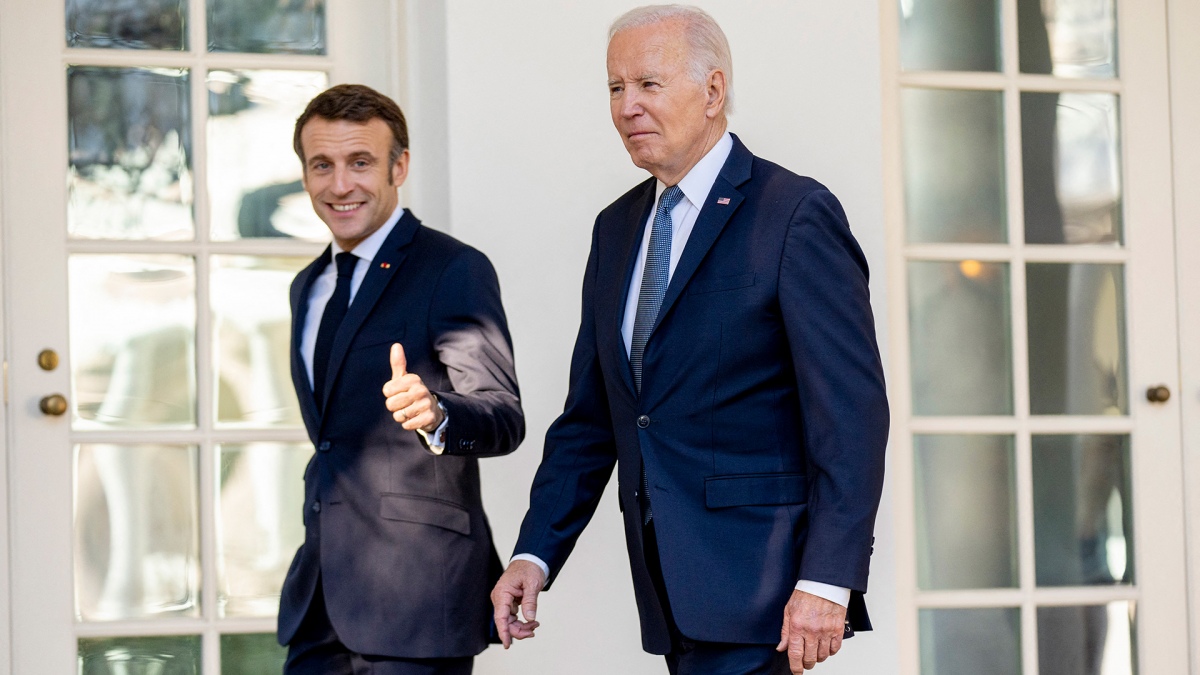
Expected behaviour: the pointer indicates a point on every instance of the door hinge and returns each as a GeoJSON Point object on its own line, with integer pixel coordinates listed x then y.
{"type": "Point", "coordinates": [6, 382]}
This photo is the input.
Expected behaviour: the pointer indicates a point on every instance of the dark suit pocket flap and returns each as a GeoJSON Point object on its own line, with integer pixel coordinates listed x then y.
{"type": "Point", "coordinates": [375, 335]}
{"type": "Point", "coordinates": [426, 511]}
{"type": "Point", "coordinates": [722, 283]}
{"type": "Point", "coordinates": [755, 490]}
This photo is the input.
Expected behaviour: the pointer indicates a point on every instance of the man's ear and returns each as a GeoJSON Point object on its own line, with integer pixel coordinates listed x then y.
{"type": "Point", "coordinates": [400, 169]}
{"type": "Point", "coordinates": [715, 104]}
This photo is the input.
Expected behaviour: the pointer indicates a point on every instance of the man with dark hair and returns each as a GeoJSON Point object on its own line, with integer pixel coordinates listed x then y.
{"type": "Point", "coordinates": [394, 572]}
{"type": "Point", "coordinates": [726, 365]}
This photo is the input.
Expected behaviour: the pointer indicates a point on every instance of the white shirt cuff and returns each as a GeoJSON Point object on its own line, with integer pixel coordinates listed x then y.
{"type": "Point", "coordinates": [831, 593]}
{"type": "Point", "coordinates": [437, 440]}
{"type": "Point", "coordinates": [533, 559]}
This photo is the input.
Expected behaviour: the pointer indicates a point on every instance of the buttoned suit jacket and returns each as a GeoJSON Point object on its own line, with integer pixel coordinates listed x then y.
{"type": "Point", "coordinates": [762, 417]}
{"type": "Point", "coordinates": [397, 534]}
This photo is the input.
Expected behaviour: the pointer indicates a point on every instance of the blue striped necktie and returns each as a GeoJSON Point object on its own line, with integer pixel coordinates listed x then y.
{"type": "Point", "coordinates": [654, 286]}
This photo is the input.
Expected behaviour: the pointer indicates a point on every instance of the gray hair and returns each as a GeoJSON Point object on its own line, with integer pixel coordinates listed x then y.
{"type": "Point", "coordinates": [708, 50]}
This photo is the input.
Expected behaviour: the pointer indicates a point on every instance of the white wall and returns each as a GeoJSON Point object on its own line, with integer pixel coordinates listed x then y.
{"type": "Point", "coordinates": [533, 157]}
{"type": "Point", "coordinates": [5, 604]}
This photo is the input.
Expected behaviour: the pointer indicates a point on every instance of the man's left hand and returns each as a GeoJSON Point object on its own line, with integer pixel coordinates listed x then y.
{"type": "Point", "coordinates": [409, 400]}
{"type": "Point", "coordinates": [812, 630]}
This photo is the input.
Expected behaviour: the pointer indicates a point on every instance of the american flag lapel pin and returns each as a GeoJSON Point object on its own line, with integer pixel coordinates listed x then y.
{"type": "Point", "coordinates": [723, 201]}
{"type": "Point", "coordinates": [386, 265]}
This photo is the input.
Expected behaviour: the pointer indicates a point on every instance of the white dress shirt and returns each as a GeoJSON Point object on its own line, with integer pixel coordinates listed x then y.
{"type": "Point", "coordinates": [322, 290]}
{"type": "Point", "coordinates": [695, 186]}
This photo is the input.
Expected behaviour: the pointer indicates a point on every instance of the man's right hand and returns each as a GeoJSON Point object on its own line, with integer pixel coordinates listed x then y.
{"type": "Point", "coordinates": [517, 588]}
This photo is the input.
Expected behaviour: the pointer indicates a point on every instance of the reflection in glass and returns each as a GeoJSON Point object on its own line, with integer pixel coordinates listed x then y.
{"type": "Point", "coordinates": [252, 334]}
{"type": "Point", "coordinates": [954, 165]}
{"type": "Point", "coordinates": [253, 175]}
{"type": "Point", "coordinates": [133, 337]}
{"type": "Point", "coordinates": [267, 26]}
{"type": "Point", "coordinates": [1068, 38]}
{"type": "Point", "coordinates": [145, 24]}
{"type": "Point", "coordinates": [1072, 168]}
{"type": "Point", "coordinates": [950, 35]}
{"type": "Point", "coordinates": [174, 655]}
{"type": "Point", "coordinates": [965, 512]}
{"type": "Point", "coordinates": [130, 174]}
{"type": "Point", "coordinates": [975, 641]}
{"type": "Point", "coordinates": [1076, 339]}
{"type": "Point", "coordinates": [959, 335]}
{"type": "Point", "coordinates": [1083, 510]}
{"type": "Point", "coordinates": [1089, 640]}
{"type": "Point", "coordinates": [137, 531]}
{"type": "Point", "coordinates": [259, 528]}
{"type": "Point", "coordinates": [253, 654]}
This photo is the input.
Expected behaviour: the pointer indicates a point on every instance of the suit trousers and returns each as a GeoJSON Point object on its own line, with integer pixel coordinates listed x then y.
{"type": "Point", "coordinates": [317, 650]}
{"type": "Point", "coordinates": [689, 657]}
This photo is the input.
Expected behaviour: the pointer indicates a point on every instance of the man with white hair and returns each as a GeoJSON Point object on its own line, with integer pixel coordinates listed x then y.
{"type": "Point", "coordinates": [726, 364]}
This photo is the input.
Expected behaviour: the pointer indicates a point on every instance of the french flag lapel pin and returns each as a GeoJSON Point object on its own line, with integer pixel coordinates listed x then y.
{"type": "Point", "coordinates": [723, 201]}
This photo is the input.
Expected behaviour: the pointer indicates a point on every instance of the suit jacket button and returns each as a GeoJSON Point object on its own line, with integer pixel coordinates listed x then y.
{"type": "Point", "coordinates": [316, 507]}
{"type": "Point", "coordinates": [643, 421]}
{"type": "Point", "coordinates": [466, 445]}
{"type": "Point", "coordinates": [324, 446]}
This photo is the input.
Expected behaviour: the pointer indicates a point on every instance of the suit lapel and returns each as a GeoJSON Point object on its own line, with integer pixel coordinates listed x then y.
{"type": "Point", "coordinates": [712, 219]}
{"type": "Point", "coordinates": [629, 246]}
{"type": "Point", "coordinates": [387, 261]}
{"type": "Point", "coordinates": [300, 291]}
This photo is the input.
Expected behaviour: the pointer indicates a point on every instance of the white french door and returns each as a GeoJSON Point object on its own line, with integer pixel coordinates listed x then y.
{"type": "Point", "coordinates": [1036, 338]}
{"type": "Point", "coordinates": [153, 219]}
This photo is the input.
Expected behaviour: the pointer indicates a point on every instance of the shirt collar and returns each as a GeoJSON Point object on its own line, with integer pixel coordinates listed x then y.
{"type": "Point", "coordinates": [367, 248]}
{"type": "Point", "coordinates": [699, 181]}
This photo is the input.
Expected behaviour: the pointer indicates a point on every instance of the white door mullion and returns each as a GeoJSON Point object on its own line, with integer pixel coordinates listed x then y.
{"type": "Point", "coordinates": [198, 26]}
{"type": "Point", "coordinates": [252, 247]}
{"type": "Point", "coordinates": [1010, 43]}
{"type": "Point", "coordinates": [1019, 334]}
{"type": "Point", "coordinates": [1026, 554]}
{"type": "Point", "coordinates": [210, 661]}
{"type": "Point", "coordinates": [174, 626]}
{"type": "Point", "coordinates": [208, 553]}
{"type": "Point", "coordinates": [199, 122]}
{"type": "Point", "coordinates": [133, 58]}
{"type": "Point", "coordinates": [954, 80]}
{"type": "Point", "coordinates": [210, 650]}
{"type": "Point", "coordinates": [193, 436]}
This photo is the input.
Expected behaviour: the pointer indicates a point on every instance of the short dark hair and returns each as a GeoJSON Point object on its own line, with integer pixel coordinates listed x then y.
{"type": "Point", "coordinates": [355, 103]}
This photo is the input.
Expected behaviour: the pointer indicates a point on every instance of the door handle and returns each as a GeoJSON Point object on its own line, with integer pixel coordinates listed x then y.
{"type": "Point", "coordinates": [54, 404]}
{"type": "Point", "coordinates": [1158, 394]}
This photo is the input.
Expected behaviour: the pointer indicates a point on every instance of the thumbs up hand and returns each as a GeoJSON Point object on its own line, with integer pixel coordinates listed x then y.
{"type": "Point", "coordinates": [409, 400]}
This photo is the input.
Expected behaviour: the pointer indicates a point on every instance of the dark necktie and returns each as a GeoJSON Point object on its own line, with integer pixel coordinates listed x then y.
{"type": "Point", "coordinates": [654, 286]}
{"type": "Point", "coordinates": [335, 311]}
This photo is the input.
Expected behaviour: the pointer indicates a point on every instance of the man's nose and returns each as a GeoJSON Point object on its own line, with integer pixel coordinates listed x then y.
{"type": "Point", "coordinates": [630, 105]}
{"type": "Point", "coordinates": [342, 184]}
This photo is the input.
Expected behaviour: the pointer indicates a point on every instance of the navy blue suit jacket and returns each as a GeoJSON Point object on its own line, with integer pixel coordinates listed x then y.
{"type": "Point", "coordinates": [762, 418]}
{"type": "Point", "coordinates": [397, 534]}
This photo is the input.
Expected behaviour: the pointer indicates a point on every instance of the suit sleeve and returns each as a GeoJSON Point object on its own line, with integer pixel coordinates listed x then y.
{"type": "Point", "coordinates": [826, 310]}
{"type": "Point", "coordinates": [471, 338]}
{"type": "Point", "coordinates": [580, 450]}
